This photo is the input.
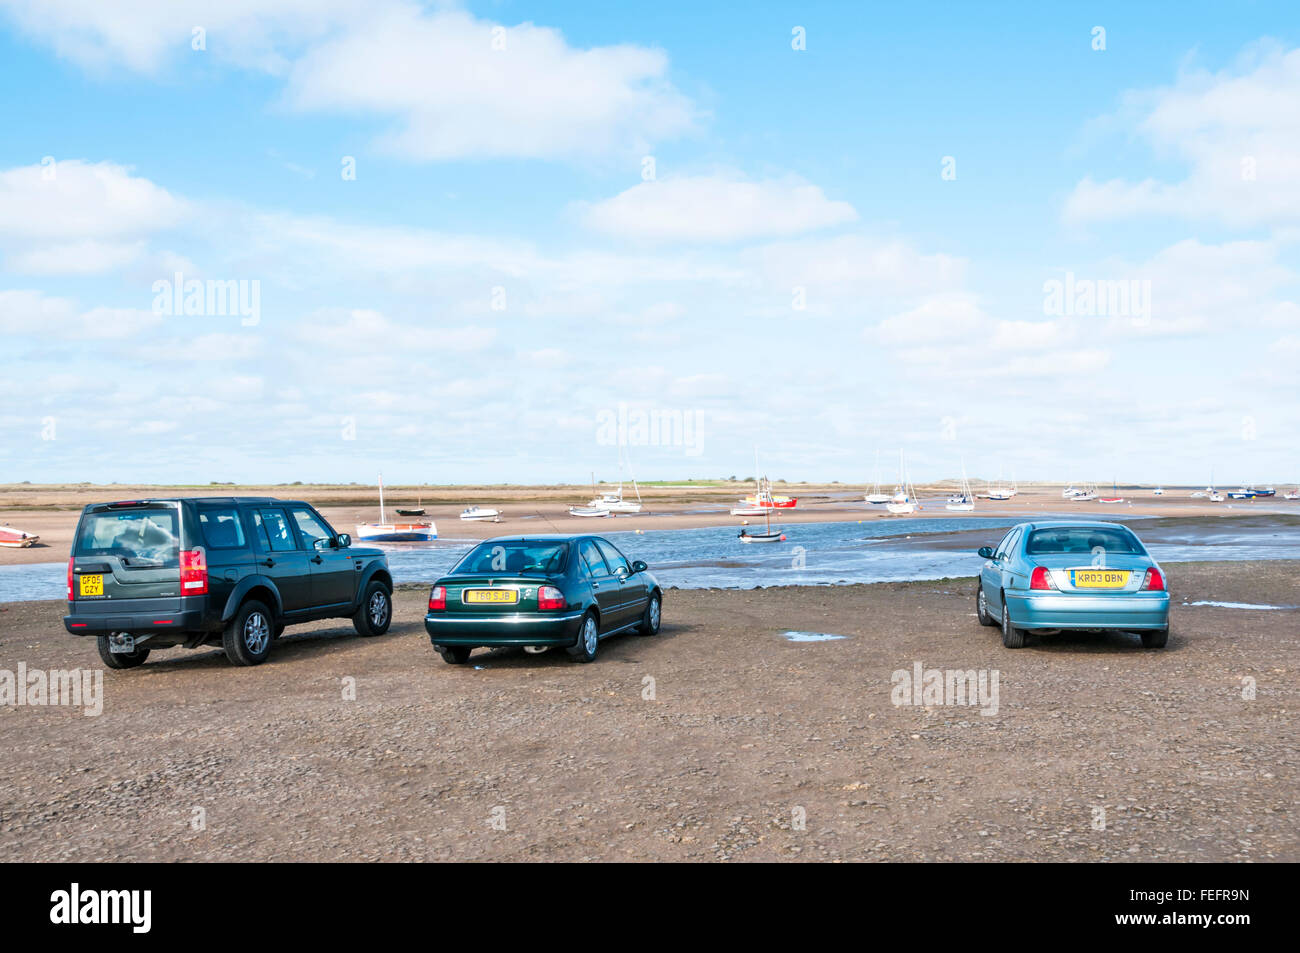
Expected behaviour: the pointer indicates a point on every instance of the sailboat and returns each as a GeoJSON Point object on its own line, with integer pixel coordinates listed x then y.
{"type": "Point", "coordinates": [875, 496]}
{"type": "Point", "coordinates": [768, 535]}
{"type": "Point", "coordinates": [1086, 495]}
{"type": "Point", "coordinates": [1114, 497]}
{"type": "Point", "coordinates": [593, 509]}
{"type": "Point", "coordinates": [965, 501]}
{"type": "Point", "coordinates": [415, 531]}
{"type": "Point", "coordinates": [614, 502]}
{"type": "Point", "coordinates": [1002, 491]}
{"type": "Point", "coordinates": [904, 498]}
{"type": "Point", "coordinates": [1293, 495]}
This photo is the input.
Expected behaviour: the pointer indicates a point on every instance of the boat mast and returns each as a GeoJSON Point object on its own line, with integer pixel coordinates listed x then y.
{"type": "Point", "coordinates": [382, 519]}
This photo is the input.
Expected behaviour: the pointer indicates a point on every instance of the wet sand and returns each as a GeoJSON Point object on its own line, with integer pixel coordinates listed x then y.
{"type": "Point", "coordinates": [52, 511]}
{"type": "Point", "coordinates": [742, 746]}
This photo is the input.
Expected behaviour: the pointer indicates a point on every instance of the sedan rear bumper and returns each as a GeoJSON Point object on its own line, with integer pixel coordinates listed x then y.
{"type": "Point", "coordinates": [504, 629]}
{"type": "Point", "coordinates": [1058, 610]}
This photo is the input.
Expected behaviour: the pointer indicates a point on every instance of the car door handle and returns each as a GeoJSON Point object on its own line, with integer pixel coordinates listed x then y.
{"type": "Point", "coordinates": [317, 560]}
{"type": "Point", "coordinates": [595, 585]}
{"type": "Point", "coordinates": [268, 562]}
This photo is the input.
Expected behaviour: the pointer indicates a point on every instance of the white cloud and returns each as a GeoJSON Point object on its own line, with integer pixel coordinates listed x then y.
{"type": "Point", "coordinates": [74, 258]}
{"type": "Point", "coordinates": [81, 201]}
{"type": "Point", "coordinates": [33, 314]}
{"type": "Point", "coordinates": [454, 85]}
{"type": "Point", "coordinates": [716, 208]}
{"type": "Point", "coordinates": [454, 95]}
{"type": "Point", "coordinates": [857, 265]}
{"type": "Point", "coordinates": [1238, 132]}
{"type": "Point", "coordinates": [145, 35]}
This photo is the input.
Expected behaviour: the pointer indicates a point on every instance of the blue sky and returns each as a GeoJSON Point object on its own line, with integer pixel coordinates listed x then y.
{"type": "Point", "coordinates": [502, 274]}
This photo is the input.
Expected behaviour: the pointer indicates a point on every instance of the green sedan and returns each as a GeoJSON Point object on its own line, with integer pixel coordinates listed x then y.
{"type": "Point", "coordinates": [541, 592]}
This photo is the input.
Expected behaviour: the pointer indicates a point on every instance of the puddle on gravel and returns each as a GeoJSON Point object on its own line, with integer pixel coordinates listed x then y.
{"type": "Point", "coordinates": [811, 636]}
{"type": "Point", "coordinates": [1238, 605]}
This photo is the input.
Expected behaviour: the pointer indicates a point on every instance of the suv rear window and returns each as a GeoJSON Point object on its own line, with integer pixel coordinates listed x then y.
{"type": "Point", "coordinates": [141, 537]}
{"type": "Point", "coordinates": [222, 528]}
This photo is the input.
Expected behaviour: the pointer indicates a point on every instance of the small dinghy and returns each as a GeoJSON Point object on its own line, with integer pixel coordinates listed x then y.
{"type": "Point", "coordinates": [480, 514]}
{"type": "Point", "coordinates": [16, 538]}
{"type": "Point", "coordinates": [774, 537]}
{"type": "Point", "coordinates": [588, 511]}
{"type": "Point", "coordinates": [419, 511]}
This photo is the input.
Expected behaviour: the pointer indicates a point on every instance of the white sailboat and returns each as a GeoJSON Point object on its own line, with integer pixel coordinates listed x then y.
{"type": "Point", "coordinates": [614, 502]}
{"type": "Point", "coordinates": [595, 508]}
{"type": "Point", "coordinates": [904, 498]}
{"type": "Point", "coordinates": [963, 502]}
{"type": "Point", "coordinates": [1086, 495]}
{"type": "Point", "coordinates": [1002, 491]}
{"type": "Point", "coordinates": [411, 531]}
{"type": "Point", "coordinates": [875, 496]}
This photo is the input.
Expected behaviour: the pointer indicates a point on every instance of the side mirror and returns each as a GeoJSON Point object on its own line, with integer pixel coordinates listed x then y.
{"type": "Point", "coordinates": [639, 566]}
{"type": "Point", "coordinates": [343, 540]}
{"type": "Point", "coordinates": [986, 552]}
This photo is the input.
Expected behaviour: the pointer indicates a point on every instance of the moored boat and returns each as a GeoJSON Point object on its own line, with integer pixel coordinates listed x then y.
{"type": "Point", "coordinates": [16, 539]}
{"type": "Point", "coordinates": [588, 511]}
{"type": "Point", "coordinates": [411, 531]}
{"type": "Point", "coordinates": [481, 514]}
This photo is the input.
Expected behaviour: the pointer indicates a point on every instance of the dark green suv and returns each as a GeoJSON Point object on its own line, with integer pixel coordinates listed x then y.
{"type": "Point", "coordinates": [228, 571]}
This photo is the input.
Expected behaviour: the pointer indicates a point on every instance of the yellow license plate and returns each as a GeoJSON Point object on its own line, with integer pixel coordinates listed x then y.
{"type": "Point", "coordinates": [92, 585]}
{"type": "Point", "coordinates": [494, 596]}
{"type": "Point", "coordinates": [1100, 578]}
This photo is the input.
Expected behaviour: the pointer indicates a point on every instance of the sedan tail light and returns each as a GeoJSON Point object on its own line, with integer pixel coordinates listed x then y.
{"type": "Point", "coordinates": [194, 573]}
{"type": "Point", "coordinates": [1154, 582]}
{"type": "Point", "coordinates": [1041, 579]}
{"type": "Point", "coordinates": [549, 599]}
{"type": "Point", "coordinates": [438, 599]}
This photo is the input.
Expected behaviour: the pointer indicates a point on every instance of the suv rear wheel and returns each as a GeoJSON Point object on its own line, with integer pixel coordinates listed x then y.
{"type": "Point", "coordinates": [120, 659]}
{"type": "Point", "coordinates": [247, 637]}
{"type": "Point", "coordinates": [376, 611]}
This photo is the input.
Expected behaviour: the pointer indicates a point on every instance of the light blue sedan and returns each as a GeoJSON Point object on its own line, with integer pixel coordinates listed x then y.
{"type": "Point", "coordinates": [1071, 575]}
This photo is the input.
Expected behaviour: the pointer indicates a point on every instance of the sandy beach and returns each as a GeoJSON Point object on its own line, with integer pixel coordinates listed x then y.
{"type": "Point", "coordinates": [52, 511]}
{"type": "Point", "coordinates": [716, 740]}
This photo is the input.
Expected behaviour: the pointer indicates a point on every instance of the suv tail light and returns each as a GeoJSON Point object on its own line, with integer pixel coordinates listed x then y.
{"type": "Point", "coordinates": [194, 573]}
{"type": "Point", "coordinates": [1154, 582]}
{"type": "Point", "coordinates": [1041, 579]}
{"type": "Point", "coordinates": [71, 560]}
{"type": "Point", "coordinates": [549, 599]}
{"type": "Point", "coordinates": [438, 599]}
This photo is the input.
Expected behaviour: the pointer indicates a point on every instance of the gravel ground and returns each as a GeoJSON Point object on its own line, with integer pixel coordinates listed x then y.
{"type": "Point", "coordinates": [744, 746]}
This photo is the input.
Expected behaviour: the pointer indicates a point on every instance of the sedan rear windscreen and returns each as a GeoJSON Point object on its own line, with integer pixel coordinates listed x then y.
{"type": "Point", "coordinates": [142, 537]}
{"type": "Point", "coordinates": [1082, 540]}
{"type": "Point", "coordinates": [515, 556]}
